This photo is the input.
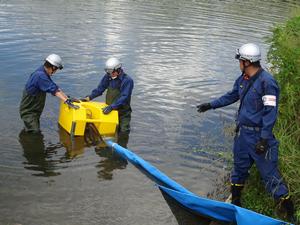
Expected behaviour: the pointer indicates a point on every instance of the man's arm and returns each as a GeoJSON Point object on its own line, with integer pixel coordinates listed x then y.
{"type": "Point", "coordinates": [101, 88]}
{"type": "Point", "coordinates": [270, 102]}
{"type": "Point", "coordinates": [61, 95]}
{"type": "Point", "coordinates": [228, 98]}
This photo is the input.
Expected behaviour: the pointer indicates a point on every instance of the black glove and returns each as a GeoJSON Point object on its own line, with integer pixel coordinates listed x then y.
{"type": "Point", "coordinates": [204, 107]}
{"type": "Point", "coordinates": [261, 146]}
{"type": "Point", "coordinates": [73, 99]}
{"type": "Point", "coordinates": [85, 99]}
{"type": "Point", "coordinates": [107, 110]}
{"type": "Point", "coordinates": [69, 102]}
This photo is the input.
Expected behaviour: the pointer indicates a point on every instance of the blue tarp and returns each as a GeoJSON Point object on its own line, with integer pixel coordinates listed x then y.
{"type": "Point", "coordinates": [202, 206]}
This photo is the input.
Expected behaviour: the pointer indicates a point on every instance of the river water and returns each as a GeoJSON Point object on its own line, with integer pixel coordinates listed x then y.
{"type": "Point", "coordinates": [179, 53]}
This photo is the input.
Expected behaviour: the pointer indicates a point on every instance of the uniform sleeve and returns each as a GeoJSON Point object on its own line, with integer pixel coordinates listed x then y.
{"type": "Point", "coordinates": [47, 85]}
{"type": "Point", "coordinates": [270, 101]}
{"type": "Point", "coordinates": [103, 85]}
{"type": "Point", "coordinates": [126, 91]}
{"type": "Point", "coordinates": [227, 99]}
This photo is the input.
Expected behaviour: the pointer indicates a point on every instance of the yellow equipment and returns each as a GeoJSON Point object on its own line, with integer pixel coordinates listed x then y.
{"type": "Point", "coordinates": [74, 120]}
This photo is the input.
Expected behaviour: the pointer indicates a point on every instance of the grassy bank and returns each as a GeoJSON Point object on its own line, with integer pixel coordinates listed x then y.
{"type": "Point", "coordinates": [284, 57]}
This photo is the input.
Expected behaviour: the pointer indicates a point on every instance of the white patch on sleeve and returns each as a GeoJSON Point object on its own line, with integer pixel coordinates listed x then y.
{"type": "Point", "coordinates": [269, 100]}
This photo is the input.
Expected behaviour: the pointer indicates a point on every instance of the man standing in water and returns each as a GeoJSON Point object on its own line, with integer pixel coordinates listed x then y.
{"type": "Point", "coordinates": [119, 88]}
{"type": "Point", "coordinates": [34, 95]}
{"type": "Point", "coordinates": [258, 93]}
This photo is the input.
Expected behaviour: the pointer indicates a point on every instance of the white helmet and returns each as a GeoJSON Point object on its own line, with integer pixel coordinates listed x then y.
{"type": "Point", "coordinates": [55, 60]}
{"type": "Point", "coordinates": [249, 52]}
{"type": "Point", "coordinates": [112, 64]}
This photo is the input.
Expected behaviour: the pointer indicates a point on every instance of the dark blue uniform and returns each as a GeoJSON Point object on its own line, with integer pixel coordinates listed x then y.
{"type": "Point", "coordinates": [34, 97]}
{"type": "Point", "coordinates": [123, 83]}
{"type": "Point", "coordinates": [40, 81]}
{"type": "Point", "coordinates": [256, 119]}
{"type": "Point", "coordinates": [118, 96]}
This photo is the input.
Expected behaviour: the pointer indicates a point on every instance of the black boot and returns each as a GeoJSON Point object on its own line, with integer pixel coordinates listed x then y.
{"type": "Point", "coordinates": [286, 209]}
{"type": "Point", "coordinates": [236, 193]}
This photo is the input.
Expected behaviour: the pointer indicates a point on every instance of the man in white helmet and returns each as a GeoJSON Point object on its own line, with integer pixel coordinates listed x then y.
{"type": "Point", "coordinates": [34, 94]}
{"type": "Point", "coordinates": [254, 142]}
{"type": "Point", "coordinates": [119, 88]}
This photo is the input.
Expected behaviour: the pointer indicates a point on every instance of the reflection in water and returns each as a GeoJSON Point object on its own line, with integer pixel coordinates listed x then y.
{"type": "Point", "coordinates": [111, 159]}
{"type": "Point", "coordinates": [74, 146]}
{"type": "Point", "coordinates": [38, 156]}
{"type": "Point", "coordinates": [110, 162]}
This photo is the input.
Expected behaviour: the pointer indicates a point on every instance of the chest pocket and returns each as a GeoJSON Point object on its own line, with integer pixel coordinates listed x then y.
{"type": "Point", "coordinates": [253, 99]}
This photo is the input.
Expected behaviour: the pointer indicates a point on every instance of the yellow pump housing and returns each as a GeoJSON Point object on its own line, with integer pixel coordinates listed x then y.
{"type": "Point", "coordinates": [74, 120]}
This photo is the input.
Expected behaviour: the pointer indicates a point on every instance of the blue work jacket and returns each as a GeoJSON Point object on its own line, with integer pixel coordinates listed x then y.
{"type": "Point", "coordinates": [260, 104]}
{"type": "Point", "coordinates": [123, 82]}
{"type": "Point", "coordinates": [40, 81]}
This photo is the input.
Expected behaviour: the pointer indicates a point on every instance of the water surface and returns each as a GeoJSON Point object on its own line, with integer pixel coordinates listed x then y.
{"type": "Point", "coordinates": [179, 53]}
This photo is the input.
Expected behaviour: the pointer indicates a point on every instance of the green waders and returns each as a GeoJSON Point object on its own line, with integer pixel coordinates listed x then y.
{"type": "Point", "coordinates": [124, 116]}
{"type": "Point", "coordinates": [31, 108]}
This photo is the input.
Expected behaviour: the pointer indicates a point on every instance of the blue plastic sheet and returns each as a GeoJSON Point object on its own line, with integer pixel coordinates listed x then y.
{"type": "Point", "coordinates": [202, 206]}
{"type": "Point", "coordinates": [220, 210]}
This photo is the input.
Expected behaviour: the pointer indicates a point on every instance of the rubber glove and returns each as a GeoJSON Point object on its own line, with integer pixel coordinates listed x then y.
{"type": "Point", "coordinates": [107, 110]}
{"type": "Point", "coordinates": [85, 99]}
{"type": "Point", "coordinates": [74, 99]}
{"type": "Point", "coordinates": [204, 107]}
{"type": "Point", "coordinates": [261, 146]}
{"type": "Point", "coordinates": [69, 102]}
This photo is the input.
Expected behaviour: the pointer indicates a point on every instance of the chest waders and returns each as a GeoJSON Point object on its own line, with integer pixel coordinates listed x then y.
{"type": "Point", "coordinates": [124, 115]}
{"type": "Point", "coordinates": [31, 108]}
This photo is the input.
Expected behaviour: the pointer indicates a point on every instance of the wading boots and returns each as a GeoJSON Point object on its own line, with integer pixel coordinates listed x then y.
{"type": "Point", "coordinates": [236, 193]}
{"type": "Point", "coordinates": [285, 209]}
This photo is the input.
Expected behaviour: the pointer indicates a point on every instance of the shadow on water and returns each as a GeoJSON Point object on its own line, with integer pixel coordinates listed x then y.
{"type": "Point", "coordinates": [38, 156]}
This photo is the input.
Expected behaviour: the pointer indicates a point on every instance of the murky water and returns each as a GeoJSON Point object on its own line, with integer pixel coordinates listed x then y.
{"type": "Point", "coordinates": [179, 53]}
